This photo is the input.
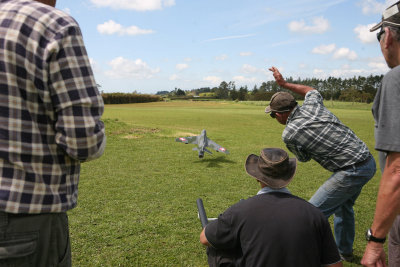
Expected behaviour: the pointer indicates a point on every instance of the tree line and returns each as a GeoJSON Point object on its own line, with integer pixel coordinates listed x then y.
{"type": "Point", "coordinates": [126, 98]}
{"type": "Point", "coordinates": [356, 89]}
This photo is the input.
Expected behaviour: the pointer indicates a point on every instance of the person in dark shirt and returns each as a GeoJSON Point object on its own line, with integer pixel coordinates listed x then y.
{"type": "Point", "coordinates": [273, 228]}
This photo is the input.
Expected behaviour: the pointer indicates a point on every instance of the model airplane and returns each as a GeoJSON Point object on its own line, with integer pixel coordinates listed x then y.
{"type": "Point", "coordinates": [202, 142]}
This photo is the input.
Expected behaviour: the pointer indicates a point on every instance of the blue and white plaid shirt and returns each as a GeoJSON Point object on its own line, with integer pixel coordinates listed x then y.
{"type": "Point", "coordinates": [50, 108]}
{"type": "Point", "coordinates": [313, 132]}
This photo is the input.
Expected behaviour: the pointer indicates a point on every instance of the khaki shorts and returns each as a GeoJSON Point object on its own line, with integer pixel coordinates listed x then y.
{"type": "Point", "coordinates": [34, 240]}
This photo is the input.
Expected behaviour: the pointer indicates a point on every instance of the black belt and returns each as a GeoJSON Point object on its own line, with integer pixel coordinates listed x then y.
{"type": "Point", "coordinates": [358, 164]}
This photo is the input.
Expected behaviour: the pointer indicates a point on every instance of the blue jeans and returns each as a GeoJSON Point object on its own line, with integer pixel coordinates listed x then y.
{"type": "Point", "coordinates": [338, 195]}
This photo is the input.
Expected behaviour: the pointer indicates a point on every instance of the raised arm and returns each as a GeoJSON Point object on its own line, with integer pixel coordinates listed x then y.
{"type": "Point", "coordinates": [295, 88]}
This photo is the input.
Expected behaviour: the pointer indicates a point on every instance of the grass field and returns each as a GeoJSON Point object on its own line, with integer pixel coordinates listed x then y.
{"type": "Point", "coordinates": [137, 203]}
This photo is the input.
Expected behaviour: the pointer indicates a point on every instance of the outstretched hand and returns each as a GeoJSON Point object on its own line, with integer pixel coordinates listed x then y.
{"type": "Point", "coordinates": [278, 76]}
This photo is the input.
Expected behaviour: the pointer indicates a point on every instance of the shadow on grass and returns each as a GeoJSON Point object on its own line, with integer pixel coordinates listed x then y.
{"type": "Point", "coordinates": [215, 162]}
{"type": "Point", "coordinates": [355, 262]}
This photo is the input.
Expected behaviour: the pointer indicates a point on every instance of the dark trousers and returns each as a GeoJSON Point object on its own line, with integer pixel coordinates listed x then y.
{"type": "Point", "coordinates": [222, 258]}
{"type": "Point", "coordinates": [34, 240]}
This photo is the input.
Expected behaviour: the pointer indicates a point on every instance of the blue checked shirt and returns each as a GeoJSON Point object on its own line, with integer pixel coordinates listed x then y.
{"type": "Point", "coordinates": [50, 108]}
{"type": "Point", "coordinates": [313, 132]}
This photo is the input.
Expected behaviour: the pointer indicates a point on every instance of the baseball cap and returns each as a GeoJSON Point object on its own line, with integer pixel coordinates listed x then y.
{"type": "Point", "coordinates": [390, 17]}
{"type": "Point", "coordinates": [281, 102]}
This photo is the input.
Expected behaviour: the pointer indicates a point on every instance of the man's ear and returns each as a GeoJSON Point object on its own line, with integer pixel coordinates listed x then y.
{"type": "Point", "coordinates": [388, 38]}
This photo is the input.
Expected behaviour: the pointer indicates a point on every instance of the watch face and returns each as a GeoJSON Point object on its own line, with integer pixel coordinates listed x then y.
{"type": "Point", "coordinates": [368, 234]}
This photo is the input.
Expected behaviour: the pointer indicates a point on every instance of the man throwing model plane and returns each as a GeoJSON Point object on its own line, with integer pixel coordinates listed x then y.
{"type": "Point", "coordinates": [313, 132]}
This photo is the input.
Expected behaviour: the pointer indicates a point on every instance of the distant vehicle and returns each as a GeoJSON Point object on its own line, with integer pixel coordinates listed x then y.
{"type": "Point", "coordinates": [202, 142]}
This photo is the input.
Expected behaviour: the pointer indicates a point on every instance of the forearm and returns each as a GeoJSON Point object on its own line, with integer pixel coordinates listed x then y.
{"type": "Point", "coordinates": [297, 88]}
{"type": "Point", "coordinates": [388, 202]}
{"type": "Point", "coordinates": [203, 238]}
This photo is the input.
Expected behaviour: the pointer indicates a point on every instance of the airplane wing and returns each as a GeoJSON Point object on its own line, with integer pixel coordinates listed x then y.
{"type": "Point", "coordinates": [187, 140]}
{"type": "Point", "coordinates": [216, 147]}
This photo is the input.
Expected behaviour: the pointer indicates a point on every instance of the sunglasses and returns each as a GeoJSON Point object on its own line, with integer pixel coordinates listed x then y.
{"type": "Point", "coordinates": [273, 114]}
{"type": "Point", "coordinates": [379, 35]}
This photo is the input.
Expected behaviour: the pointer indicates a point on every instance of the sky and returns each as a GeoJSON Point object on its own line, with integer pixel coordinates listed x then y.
{"type": "Point", "coordinates": [146, 46]}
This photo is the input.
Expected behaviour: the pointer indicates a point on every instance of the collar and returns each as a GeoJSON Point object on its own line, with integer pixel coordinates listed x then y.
{"type": "Point", "coordinates": [291, 115]}
{"type": "Point", "coordinates": [266, 190]}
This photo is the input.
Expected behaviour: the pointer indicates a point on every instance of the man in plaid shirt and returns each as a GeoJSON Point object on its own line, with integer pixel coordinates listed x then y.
{"type": "Point", "coordinates": [50, 111]}
{"type": "Point", "coordinates": [313, 132]}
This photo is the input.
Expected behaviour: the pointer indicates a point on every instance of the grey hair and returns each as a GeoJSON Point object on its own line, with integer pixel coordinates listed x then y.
{"type": "Point", "coordinates": [396, 33]}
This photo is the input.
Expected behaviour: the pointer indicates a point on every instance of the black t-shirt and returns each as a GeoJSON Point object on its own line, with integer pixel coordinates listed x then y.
{"type": "Point", "coordinates": [275, 229]}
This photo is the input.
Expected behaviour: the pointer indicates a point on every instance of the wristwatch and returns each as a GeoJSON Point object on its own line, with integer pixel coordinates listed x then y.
{"type": "Point", "coordinates": [370, 237]}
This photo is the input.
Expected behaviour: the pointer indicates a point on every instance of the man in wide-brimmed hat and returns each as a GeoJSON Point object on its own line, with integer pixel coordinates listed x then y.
{"type": "Point", "coordinates": [273, 228]}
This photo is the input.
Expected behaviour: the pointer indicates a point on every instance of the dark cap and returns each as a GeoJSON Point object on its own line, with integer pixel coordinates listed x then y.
{"type": "Point", "coordinates": [273, 167]}
{"type": "Point", "coordinates": [281, 102]}
{"type": "Point", "coordinates": [390, 17]}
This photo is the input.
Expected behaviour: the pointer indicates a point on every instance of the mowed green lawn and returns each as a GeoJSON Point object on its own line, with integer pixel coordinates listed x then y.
{"type": "Point", "coordinates": [137, 203]}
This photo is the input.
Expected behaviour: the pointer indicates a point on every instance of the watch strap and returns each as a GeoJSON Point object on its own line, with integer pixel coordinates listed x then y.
{"type": "Point", "coordinates": [372, 238]}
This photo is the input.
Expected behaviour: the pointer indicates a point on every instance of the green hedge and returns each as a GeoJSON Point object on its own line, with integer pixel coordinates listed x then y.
{"type": "Point", "coordinates": [124, 98]}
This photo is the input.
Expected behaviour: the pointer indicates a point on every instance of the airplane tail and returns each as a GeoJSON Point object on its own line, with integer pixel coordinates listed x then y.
{"type": "Point", "coordinates": [208, 151]}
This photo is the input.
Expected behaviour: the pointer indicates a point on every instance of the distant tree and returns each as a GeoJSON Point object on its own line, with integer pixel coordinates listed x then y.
{"type": "Point", "coordinates": [242, 94]}
{"type": "Point", "coordinates": [255, 90]}
{"type": "Point", "coordinates": [180, 92]}
{"type": "Point", "coordinates": [162, 93]}
{"type": "Point", "coordinates": [222, 92]}
{"type": "Point", "coordinates": [233, 94]}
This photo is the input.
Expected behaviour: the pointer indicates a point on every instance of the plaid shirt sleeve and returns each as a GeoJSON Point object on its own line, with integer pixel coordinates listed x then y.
{"type": "Point", "coordinates": [77, 102]}
{"type": "Point", "coordinates": [300, 154]}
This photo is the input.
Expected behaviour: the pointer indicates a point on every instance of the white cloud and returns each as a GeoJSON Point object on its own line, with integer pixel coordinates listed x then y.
{"type": "Point", "coordinates": [286, 42]}
{"type": "Point", "coordinates": [173, 77]}
{"type": "Point", "coordinates": [318, 72]}
{"type": "Point", "coordinates": [345, 52]}
{"type": "Point", "coordinates": [372, 6]}
{"type": "Point", "coordinates": [111, 27]}
{"type": "Point", "coordinates": [246, 68]}
{"type": "Point", "coordinates": [67, 10]}
{"type": "Point", "coordinates": [214, 80]}
{"type": "Point", "coordinates": [244, 80]}
{"type": "Point", "coordinates": [221, 57]}
{"type": "Point", "coordinates": [375, 66]}
{"type": "Point", "coordinates": [249, 69]}
{"type": "Point", "coordinates": [125, 68]}
{"type": "Point", "coordinates": [346, 72]}
{"type": "Point", "coordinates": [96, 67]}
{"type": "Point", "coordinates": [319, 25]}
{"type": "Point", "coordinates": [378, 65]}
{"type": "Point", "coordinates": [245, 54]}
{"type": "Point", "coordinates": [324, 49]}
{"type": "Point", "coordinates": [364, 34]}
{"type": "Point", "coordinates": [229, 37]}
{"type": "Point", "coordinates": [138, 5]}
{"type": "Point", "coordinates": [181, 66]}
{"type": "Point", "coordinates": [339, 53]}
